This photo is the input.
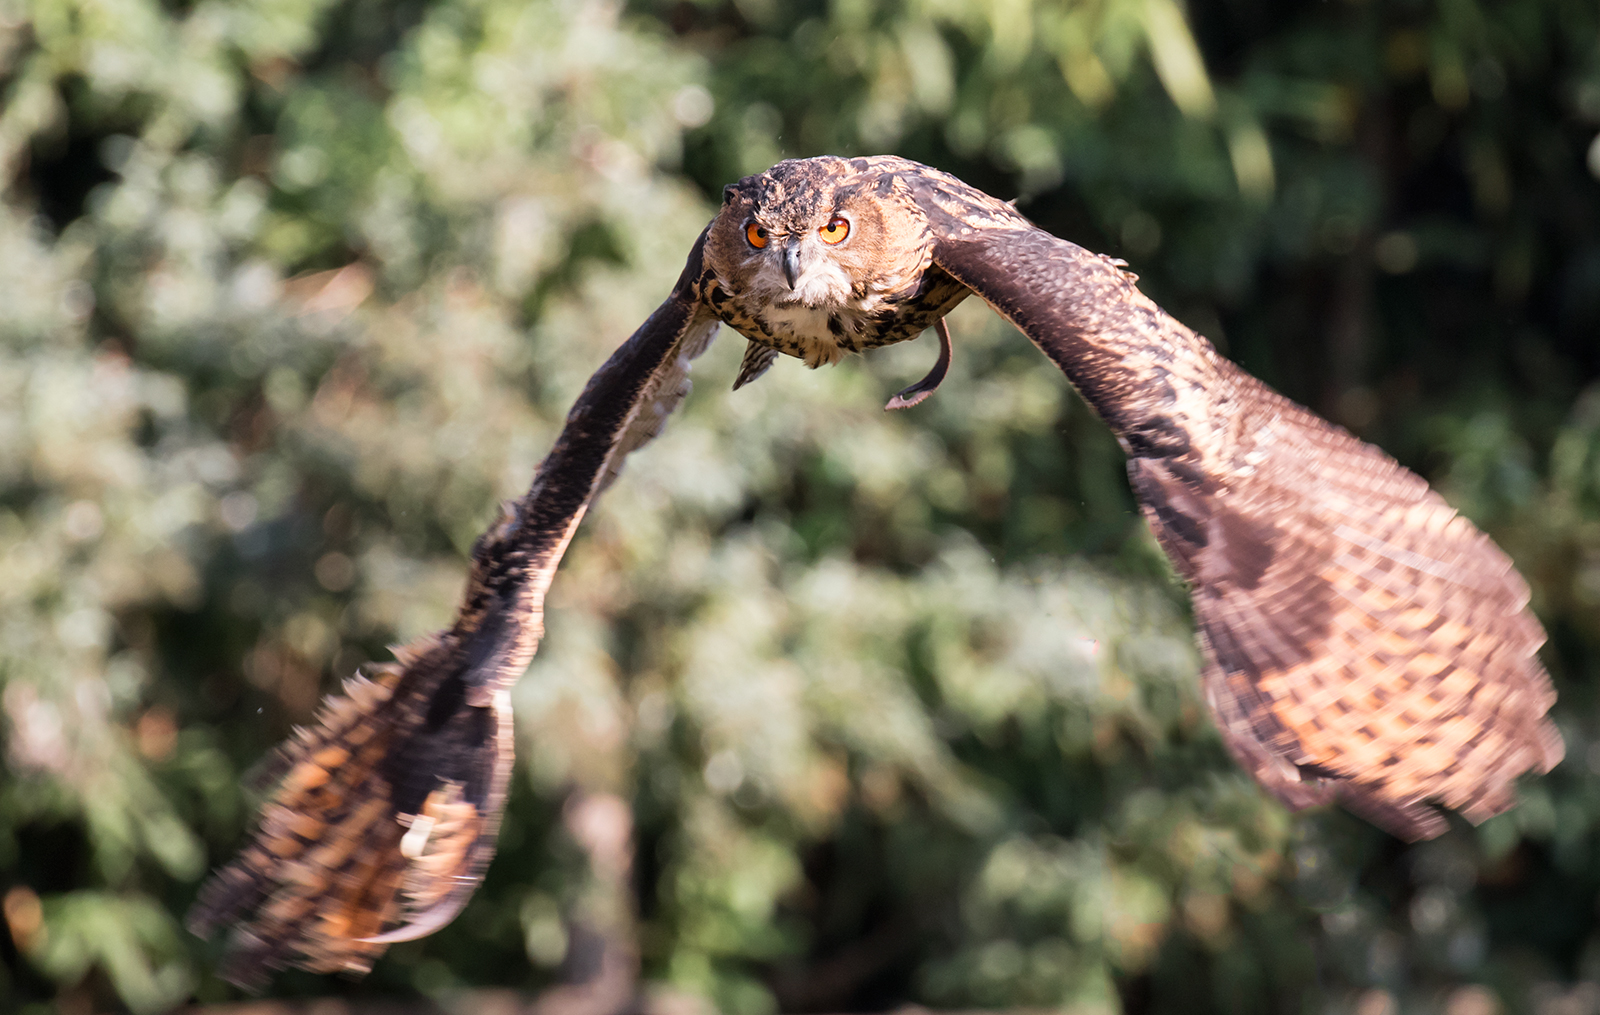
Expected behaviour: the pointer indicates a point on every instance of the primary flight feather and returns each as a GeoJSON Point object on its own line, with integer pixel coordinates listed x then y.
{"type": "Point", "coordinates": [1364, 643]}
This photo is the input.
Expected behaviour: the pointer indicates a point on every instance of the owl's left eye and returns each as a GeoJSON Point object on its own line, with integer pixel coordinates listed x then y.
{"type": "Point", "coordinates": [836, 230]}
{"type": "Point", "coordinates": [756, 235]}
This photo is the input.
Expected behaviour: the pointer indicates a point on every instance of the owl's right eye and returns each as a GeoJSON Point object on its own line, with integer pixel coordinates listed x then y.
{"type": "Point", "coordinates": [756, 235]}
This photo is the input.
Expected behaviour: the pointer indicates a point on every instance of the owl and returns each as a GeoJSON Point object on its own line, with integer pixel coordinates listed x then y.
{"type": "Point", "coordinates": [1364, 644]}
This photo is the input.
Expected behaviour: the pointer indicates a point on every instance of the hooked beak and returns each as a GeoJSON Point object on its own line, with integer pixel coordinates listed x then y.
{"type": "Point", "coordinates": [791, 262]}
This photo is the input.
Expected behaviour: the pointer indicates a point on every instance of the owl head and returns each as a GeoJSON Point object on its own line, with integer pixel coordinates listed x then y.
{"type": "Point", "coordinates": [821, 257]}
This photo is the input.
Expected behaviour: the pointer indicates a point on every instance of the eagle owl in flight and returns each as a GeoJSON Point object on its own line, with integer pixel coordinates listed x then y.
{"type": "Point", "coordinates": [1363, 643]}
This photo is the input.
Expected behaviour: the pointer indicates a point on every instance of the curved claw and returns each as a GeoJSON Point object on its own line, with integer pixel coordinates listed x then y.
{"type": "Point", "coordinates": [431, 919]}
{"type": "Point", "coordinates": [929, 384]}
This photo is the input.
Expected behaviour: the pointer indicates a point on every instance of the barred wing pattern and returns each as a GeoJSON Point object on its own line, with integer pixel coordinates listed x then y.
{"type": "Point", "coordinates": [1364, 643]}
{"type": "Point", "coordinates": [1386, 648]}
{"type": "Point", "coordinates": [383, 813]}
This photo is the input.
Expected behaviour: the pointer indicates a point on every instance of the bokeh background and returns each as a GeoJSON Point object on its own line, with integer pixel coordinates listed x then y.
{"type": "Point", "coordinates": [904, 706]}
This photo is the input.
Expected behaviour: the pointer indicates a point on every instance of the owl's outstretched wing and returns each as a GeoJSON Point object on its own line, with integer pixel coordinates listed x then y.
{"type": "Point", "coordinates": [383, 813]}
{"type": "Point", "coordinates": [1364, 643]}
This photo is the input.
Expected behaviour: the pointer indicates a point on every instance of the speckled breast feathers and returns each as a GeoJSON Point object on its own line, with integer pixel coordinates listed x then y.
{"type": "Point", "coordinates": [1363, 642]}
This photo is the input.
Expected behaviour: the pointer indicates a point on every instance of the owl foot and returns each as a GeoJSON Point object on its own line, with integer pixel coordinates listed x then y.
{"type": "Point", "coordinates": [929, 384]}
{"type": "Point", "coordinates": [757, 359]}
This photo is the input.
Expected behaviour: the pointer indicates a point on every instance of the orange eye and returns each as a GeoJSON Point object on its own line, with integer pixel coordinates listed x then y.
{"type": "Point", "coordinates": [836, 230]}
{"type": "Point", "coordinates": [756, 235]}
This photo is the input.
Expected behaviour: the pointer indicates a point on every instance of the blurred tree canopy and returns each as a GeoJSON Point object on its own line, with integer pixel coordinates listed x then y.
{"type": "Point", "coordinates": [295, 291]}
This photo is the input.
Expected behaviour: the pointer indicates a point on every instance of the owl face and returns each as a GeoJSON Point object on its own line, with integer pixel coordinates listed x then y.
{"type": "Point", "coordinates": [817, 258]}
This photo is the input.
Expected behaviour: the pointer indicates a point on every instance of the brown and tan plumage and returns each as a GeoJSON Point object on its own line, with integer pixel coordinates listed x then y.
{"type": "Point", "coordinates": [384, 812]}
{"type": "Point", "coordinates": [1364, 644]}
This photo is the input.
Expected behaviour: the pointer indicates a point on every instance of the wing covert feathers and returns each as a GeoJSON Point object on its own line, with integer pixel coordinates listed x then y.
{"type": "Point", "coordinates": [382, 815]}
{"type": "Point", "coordinates": [1364, 643]}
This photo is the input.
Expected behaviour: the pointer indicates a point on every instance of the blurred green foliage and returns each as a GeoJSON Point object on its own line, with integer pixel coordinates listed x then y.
{"type": "Point", "coordinates": [295, 291]}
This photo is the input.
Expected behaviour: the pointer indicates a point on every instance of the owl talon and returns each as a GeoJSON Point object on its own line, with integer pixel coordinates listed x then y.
{"type": "Point", "coordinates": [929, 384]}
{"type": "Point", "coordinates": [415, 840]}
